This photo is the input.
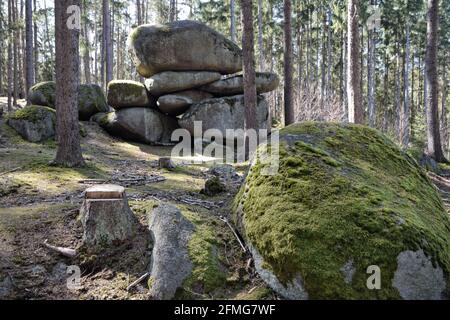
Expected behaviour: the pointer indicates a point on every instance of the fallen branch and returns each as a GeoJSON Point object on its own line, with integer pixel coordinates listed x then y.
{"type": "Point", "coordinates": [135, 283]}
{"type": "Point", "coordinates": [10, 171]}
{"type": "Point", "coordinates": [67, 252]}
{"type": "Point", "coordinates": [234, 232]}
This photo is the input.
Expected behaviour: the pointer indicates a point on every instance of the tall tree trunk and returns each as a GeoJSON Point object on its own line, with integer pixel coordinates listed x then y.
{"type": "Point", "coordinates": [172, 11]}
{"type": "Point", "coordinates": [444, 120]}
{"type": "Point", "coordinates": [289, 114]}
{"type": "Point", "coordinates": [433, 131]}
{"type": "Point", "coordinates": [250, 98]}
{"type": "Point", "coordinates": [107, 42]}
{"type": "Point", "coordinates": [260, 36]}
{"type": "Point", "coordinates": [16, 73]}
{"type": "Point", "coordinates": [47, 34]}
{"type": "Point", "coordinates": [87, 49]}
{"type": "Point", "coordinates": [1, 50]}
{"type": "Point", "coordinates": [29, 45]}
{"type": "Point", "coordinates": [67, 82]}
{"type": "Point", "coordinates": [10, 55]}
{"type": "Point", "coordinates": [371, 79]}
{"type": "Point", "coordinates": [354, 94]}
{"type": "Point", "coordinates": [406, 103]}
{"type": "Point", "coordinates": [398, 102]}
{"type": "Point", "coordinates": [233, 20]}
{"type": "Point", "coordinates": [36, 45]}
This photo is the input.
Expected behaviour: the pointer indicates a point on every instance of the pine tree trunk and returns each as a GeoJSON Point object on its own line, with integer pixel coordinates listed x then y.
{"type": "Point", "coordinates": [47, 32]}
{"type": "Point", "coordinates": [15, 54]}
{"type": "Point", "coordinates": [433, 131]}
{"type": "Point", "coordinates": [444, 120]}
{"type": "Point", "coordinates": [406, 103]}
{"type": "Point", "coordinates": [87, 52]}
{"type": "Point", "coordinates": [10, 55]}
{"type": "Point", "coordinates": [36, 45]}
{"type": "Point", "coordinates": [260, 36]}
{"type": "Point", "coordinates": [1, 50]}
{"type": "Point", "coordinates": [107, 42]}
{"type": "Point", "coordinates": [248, 41]}
{"type": "Point", "coordinates": [288, 70]}
{"type": "Point", "coordinates": [371, 80]}
{"type": "Point", "coordinates": [67, 83]}
{"type": "Point", "coordinates": [29, 45]}
{"type": "Point", "coordinates": [233, 20]}
{"type": "Point", "coordinates": [354, 94]}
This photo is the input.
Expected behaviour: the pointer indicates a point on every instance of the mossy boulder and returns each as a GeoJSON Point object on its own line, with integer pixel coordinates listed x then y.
{"type": "Point", "coordinates": [128, 94]}
{"type": "Point", "coordinates": [139, 124]}
{"type": "Point", "coordinates": [33, 123]}
{"type": "Point", "coordinates": [43, 94]}
{"type": "Point", "coordinates": [185, 257]}
{"type": "Point", "coordinates": [345, 198]}
{"type": "Point", "coordinates": [91, 98]}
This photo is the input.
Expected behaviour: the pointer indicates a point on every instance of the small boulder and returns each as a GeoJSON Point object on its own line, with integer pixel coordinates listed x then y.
{"type": "Point", "coordinates": [213, 187]}
{"type": "Point", "coordinates": [127, 94]}
{"type": "Point", "coordinates": [43, 94]}
{"type": "Point", "coordinates": [34, 123]}
{"type": "Point", "coordinates": [182, 45]}
{"type": "Point", "coordinates": [170, 263]}
{"type": "Point", "coordinates": [265, 82]}
{"type": "Point", "coordinates": [91, 98]}
{"type": "Point", "coordinates": [91, 101]}
{"type": "Point", "coordinates": [140, 125]}
{"type": "Point", "coordinates": [178, 103]}
{"type": "Point", "coordinates": [223, 114]}
{"type": "Point", "coordinates": [171, 81]}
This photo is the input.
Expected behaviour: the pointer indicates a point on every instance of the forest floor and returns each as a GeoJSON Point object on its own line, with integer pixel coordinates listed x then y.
{"type": "Point", "coordinates": [39, 202]}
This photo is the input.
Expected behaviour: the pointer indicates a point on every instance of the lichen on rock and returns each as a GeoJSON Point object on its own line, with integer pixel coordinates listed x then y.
{"type": "Point", "coordinates": [339, 195]}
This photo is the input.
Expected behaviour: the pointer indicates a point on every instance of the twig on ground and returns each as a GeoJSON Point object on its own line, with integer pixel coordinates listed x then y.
{"type": "Point", "coordinates": [67, 252]}
{"type": "Point", "coordinates": [10, 171]}
{"type": "Point", "coordinates": [135, 283]}
{"type": "Point", "coordinates": [234, 232]}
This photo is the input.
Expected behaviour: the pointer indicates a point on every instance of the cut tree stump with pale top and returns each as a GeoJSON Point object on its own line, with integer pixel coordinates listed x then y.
{"type": "Point", "coordinates": [105, 192]}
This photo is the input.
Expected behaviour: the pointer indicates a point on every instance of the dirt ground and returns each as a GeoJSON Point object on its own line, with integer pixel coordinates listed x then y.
{"type": "Point", "coordinates": [39, 202]}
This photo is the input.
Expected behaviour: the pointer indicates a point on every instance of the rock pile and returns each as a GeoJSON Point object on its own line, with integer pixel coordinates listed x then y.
{"type": "Point", "coordinates": [190, 73]}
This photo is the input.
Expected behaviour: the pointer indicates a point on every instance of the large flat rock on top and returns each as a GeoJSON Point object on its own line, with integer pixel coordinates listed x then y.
{"type": "Point", "coordinates": [105, 191]}
{"type": "Point", "coordinates": [182, 45]}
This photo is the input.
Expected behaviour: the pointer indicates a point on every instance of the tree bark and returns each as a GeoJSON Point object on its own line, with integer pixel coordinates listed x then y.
{"type": "Point", "coordinates": [10, 55]}
{"type": "Point", "coordinates": [233, 20]}
{"type": "Point", "coordinates": [354, 94]}
{"type": "Point", "coordinates": [406, 129]}
{"type": "Point", "coordinates": [108, 57]}
{"type": "Point", "coordinates": [371, 80]}
{"type": "Point", "coordinates": [289, 115]}
{"type": "Point", "coordinates": [87, 46]}
{"type": "Point", "coordinates": [434, 149]}
{"type": "Point", "coordinates": [248, 41]}
{"type": "Point", "coordinates": [36, 45]}
{"type": "Point", "coordinates": [260, 36]}
{"type": "Point", "coordinates": [67, 83]}
{"type": "Point", "coordinates": [29, 45]}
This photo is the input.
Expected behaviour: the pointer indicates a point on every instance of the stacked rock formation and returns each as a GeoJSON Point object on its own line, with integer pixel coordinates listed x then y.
{"type": "Point", "coordinates": [191, 75]}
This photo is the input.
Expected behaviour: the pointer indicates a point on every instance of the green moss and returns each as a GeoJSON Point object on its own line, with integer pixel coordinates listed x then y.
{"type": "Point", "coordinates": [213, 187]}
{"type": "Point", "coordinates": [44, 92]}
{"type": "Point", "coordinates": [31, 113]}
{"type": "Point", "coordinates": [343, 192]}
{"type": "Point", "coordinates": [260, 293]}
{"type": "Point", "coordinates": [91, 100]}
{"type": "Point", "coordinates": [204, 253]}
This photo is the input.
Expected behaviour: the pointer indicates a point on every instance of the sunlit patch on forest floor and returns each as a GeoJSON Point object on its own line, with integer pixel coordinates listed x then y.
{"type": "Point", "coordinates": [39, 202]}
{"type": "Point", "coordinates": [442, 182]}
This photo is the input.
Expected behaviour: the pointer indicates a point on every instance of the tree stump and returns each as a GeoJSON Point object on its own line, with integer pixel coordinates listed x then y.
{"type": "Point", "coordinates": [166, 163]}
{"type": "Point", "coordinates": [106, 216]}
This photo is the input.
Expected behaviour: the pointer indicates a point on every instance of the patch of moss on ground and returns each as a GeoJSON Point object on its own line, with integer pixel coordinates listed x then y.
{"type": "Point", "coordinates": [31, 113]}
{"type": "Point", "coordinates": [343, 192]}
